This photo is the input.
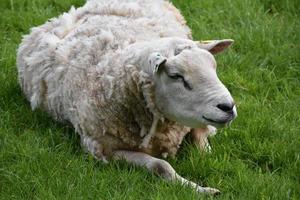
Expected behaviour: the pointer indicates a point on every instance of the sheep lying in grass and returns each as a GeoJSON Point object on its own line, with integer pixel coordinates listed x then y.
{"type": "Point", "coordinates": [129, 78]}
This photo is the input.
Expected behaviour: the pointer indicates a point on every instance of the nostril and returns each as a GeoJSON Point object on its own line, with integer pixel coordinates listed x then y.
{"type": "Point", "coordinates": [226, 107]}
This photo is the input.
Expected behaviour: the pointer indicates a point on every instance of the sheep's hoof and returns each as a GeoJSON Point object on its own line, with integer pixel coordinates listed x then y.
{"type": "Point", "coordinates": [212, 191]}
{"type": "Point", "coordinates": [207, 147]}
{"type": "Point", "coordinates": [204, 146]}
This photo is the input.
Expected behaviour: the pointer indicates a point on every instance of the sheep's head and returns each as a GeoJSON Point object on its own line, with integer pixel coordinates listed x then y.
{"type": "Point", "coordinates": [187, 88]}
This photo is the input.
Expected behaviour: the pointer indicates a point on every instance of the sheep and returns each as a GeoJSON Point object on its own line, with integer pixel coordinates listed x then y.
{"type": "Point", "coordinates": [130, 79]}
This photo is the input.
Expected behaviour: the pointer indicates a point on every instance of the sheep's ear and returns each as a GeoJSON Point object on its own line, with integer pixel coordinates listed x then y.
{"type": "Point", "coordinates": [156, 61]}
{"type": "Point", "coordinates": [215, 46]}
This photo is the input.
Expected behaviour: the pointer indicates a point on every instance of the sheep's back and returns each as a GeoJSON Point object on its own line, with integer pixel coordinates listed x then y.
{"type": "Point", "coordinates": [84, 37]}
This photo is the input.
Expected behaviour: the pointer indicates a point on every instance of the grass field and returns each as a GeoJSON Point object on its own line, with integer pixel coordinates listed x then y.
{"type": "Point", "coordinates": [258, 157]}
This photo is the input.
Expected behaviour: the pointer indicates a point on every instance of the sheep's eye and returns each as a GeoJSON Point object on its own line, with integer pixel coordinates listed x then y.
{"type": "Point", "coordinates": [185, 83]}
{"type": "Point", "coordinates": [175, 76]}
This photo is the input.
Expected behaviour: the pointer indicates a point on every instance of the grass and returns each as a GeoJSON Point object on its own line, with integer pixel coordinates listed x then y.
{"type": "Point", "coordinates": [258, 157]}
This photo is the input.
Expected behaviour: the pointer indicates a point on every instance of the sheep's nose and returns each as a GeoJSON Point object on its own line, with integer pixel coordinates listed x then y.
{"type": "Point", "coordinates": [226, 107]}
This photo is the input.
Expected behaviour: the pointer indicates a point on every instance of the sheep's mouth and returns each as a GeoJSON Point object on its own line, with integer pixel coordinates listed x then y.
{"type": "Point", "coordinates": [221, 122]}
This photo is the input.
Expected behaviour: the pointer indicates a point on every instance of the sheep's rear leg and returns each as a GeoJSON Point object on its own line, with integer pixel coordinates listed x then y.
{"type": "Point", "coordinates": [94, 147]}
{"type": "Point", "coordinates": [159, 167]}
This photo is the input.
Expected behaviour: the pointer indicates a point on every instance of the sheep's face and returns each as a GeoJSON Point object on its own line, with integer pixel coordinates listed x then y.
{"type": "Point", "coordinates": [188, 90]}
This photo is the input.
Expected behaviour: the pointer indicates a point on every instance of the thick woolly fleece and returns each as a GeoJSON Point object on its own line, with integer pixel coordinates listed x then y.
{"type": "Point", "coordinates": [85, 67]}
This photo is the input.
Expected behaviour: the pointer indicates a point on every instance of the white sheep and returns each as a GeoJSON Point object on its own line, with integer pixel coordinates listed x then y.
{"type": "Point", "coordinates": [130, 79]}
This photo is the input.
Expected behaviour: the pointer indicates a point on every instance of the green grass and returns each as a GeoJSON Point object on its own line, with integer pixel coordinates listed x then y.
{"type": "Point", "coordinates": [258, 157]}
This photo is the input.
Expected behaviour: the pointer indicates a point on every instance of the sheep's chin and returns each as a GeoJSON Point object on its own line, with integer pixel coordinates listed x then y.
{"type": "Point", "coordinates": [202, 124]}
{"type": "Point", "coordinates": [197, 123]}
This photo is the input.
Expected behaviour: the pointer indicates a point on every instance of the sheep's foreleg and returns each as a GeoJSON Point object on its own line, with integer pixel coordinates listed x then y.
{"type": "Point", "coordinates": [200, 137]}
{"type": "Point", "coordinates": [161, 168]}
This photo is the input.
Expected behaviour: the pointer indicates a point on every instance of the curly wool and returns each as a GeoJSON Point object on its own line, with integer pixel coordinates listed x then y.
{"type": "Point", "coordinates": [82, 67]}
